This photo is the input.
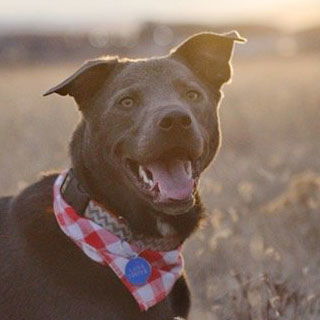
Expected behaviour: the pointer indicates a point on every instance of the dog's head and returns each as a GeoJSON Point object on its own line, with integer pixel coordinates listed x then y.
{"type": "Point", "coordinates": [152, 124]}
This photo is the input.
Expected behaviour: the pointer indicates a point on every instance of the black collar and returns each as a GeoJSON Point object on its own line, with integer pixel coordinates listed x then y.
{"type": "Point", "coordinates": [74, 194]}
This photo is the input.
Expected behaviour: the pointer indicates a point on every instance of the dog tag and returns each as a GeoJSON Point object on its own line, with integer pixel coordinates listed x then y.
{"type": "Point", "coordinates": [138, 271]}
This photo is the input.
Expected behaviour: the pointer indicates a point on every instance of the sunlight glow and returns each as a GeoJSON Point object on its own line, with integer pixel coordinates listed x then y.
{"type": "Point", "coordinates": [81, 13]}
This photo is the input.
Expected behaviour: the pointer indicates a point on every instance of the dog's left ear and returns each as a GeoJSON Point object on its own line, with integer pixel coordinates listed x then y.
{"type": "Point", "coordinates": [84, 83]}
{"type": "Point", "coordinates": [208, 55]}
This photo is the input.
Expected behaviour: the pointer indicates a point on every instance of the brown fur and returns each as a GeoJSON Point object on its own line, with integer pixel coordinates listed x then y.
{"type": "Point", "coordinates": [43, 274]}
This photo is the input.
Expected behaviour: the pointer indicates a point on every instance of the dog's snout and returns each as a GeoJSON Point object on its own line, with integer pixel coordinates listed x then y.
{"type": "Point", "coordinates": [175, 119]}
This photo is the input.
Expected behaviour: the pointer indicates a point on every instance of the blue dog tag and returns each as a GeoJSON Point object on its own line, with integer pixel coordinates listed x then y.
{"type": "Point", "coordinates": [138, 271]}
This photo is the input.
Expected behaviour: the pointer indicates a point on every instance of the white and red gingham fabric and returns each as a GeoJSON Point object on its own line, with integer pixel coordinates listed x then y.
{"type": "Point", "coordinates": [107, 249]}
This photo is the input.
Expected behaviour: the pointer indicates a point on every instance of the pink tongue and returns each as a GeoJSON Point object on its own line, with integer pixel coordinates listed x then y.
{"type": "Point", "coordinates": [172, 179]}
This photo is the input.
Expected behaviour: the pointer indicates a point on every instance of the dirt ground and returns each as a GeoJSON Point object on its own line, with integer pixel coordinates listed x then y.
{"type": "Point", "coordinates": [257, 256]}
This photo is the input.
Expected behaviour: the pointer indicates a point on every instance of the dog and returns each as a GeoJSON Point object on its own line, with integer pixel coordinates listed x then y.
{"type": "Point", "coordinates": [149, 128]}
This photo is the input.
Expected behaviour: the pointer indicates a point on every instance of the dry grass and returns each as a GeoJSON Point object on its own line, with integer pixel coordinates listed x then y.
{"type": "Point", "coordinates": [258, 256]}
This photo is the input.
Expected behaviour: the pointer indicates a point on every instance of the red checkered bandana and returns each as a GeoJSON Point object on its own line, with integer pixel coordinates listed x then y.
{"type": "Point", "coordinates": [107, 249]}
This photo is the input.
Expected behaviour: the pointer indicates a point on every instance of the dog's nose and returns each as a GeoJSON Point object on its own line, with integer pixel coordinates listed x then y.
{"type": "Point", "coordinates": [175, 119]}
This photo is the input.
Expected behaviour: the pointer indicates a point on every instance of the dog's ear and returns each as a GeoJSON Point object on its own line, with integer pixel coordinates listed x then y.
{"type": "Point", "coordinates": [84, 83]}
{"type": "Point", "coordinates": [208, 55]}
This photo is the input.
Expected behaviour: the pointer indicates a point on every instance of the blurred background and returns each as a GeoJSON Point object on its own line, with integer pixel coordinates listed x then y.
{"type": "Point", "coordinates": [257, 256]}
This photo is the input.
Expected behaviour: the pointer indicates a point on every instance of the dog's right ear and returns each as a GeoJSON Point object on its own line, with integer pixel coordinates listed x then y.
{"type": "Point", "coordinates": [208, 54]}
{"type": "Point", "coordinates": [85, 82]}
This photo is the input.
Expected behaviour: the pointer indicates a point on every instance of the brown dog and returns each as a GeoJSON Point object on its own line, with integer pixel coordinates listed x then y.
{"type": "Point", "coordinates": [149, 129]}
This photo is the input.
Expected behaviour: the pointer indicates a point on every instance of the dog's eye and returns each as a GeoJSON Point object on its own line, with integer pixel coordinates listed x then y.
{"type": "Point", "coordinates": [127, 102]}
{"type": "Point", "coordinates": [193, 95]}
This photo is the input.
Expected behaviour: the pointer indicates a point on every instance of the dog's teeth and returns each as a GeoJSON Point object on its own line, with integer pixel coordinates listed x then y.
{"type": "Point", "coordinates": [143, 175]}
{"type": "Point", "coordinates": [188, 168]}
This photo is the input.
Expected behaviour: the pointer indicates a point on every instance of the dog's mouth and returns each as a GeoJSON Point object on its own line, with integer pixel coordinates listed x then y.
{"type": "Point", "coordinates": [168, 182]}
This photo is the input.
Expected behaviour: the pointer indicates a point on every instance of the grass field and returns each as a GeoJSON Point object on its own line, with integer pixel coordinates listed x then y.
{"type": "Point", "coordinates": [258, 256]}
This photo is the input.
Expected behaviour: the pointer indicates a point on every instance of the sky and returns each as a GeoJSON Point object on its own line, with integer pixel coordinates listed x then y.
{"type": "Point", "coordinates": [84, 14]}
